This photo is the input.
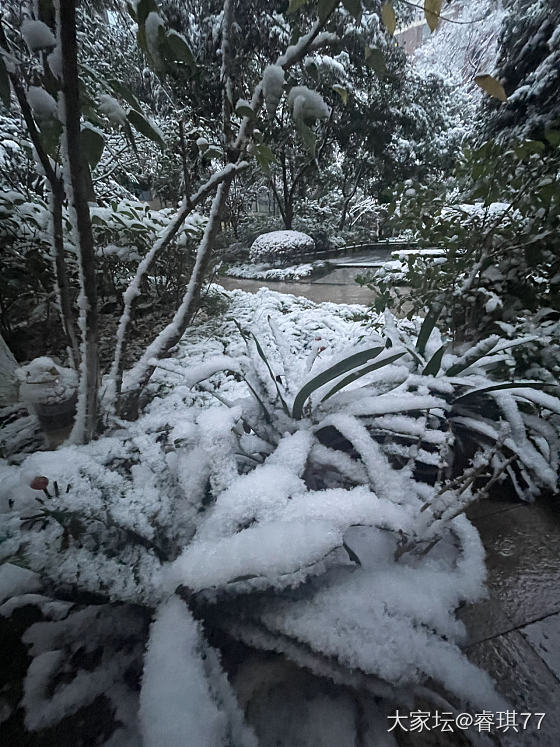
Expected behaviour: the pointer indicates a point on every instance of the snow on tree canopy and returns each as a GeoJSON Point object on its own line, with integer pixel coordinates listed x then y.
{"type": "Point", "coordinates": [37, 35]}
{"type": "Point", "coordinates": [280, 246]}
{"type": "Point", "coordinates": [273, 85]}
{"type": "Point", "coordinates": [307, 104]}
{"type": "Point", "coordinates": [42, 103]}
{"type": "Point", "coordinates": [111, 108]}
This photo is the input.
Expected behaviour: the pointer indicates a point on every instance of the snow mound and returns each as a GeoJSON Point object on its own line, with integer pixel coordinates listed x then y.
{"type": "Point", "coordinates": [279, 246]}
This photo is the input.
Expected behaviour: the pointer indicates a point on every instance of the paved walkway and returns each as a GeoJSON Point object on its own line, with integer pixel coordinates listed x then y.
{"type": "Point", "coordinates": [515, 633]}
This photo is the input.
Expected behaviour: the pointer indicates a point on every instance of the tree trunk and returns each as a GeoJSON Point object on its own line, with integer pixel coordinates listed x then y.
{"type": "Point", "coordinates": [76, 173]}
{"type": "Point", "coordinates": [170, 335]}
{"type": "Point", "coordinates": [66, 310]}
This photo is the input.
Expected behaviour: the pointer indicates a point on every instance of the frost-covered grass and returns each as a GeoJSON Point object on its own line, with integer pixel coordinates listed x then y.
{"type": "Point", "coordinates": [266, 272]}
{"type": "Point", "coordinates": [252, 500]}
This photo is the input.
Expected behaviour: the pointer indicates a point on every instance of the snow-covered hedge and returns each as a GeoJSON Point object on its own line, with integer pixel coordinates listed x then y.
{"type": "Point", "coordinates": [279, 247]}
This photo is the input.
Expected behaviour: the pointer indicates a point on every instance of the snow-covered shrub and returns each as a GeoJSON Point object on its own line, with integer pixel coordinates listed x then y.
{"type": "Point", "coordinates": [245, 516]}
{"type": "Point", "coordinates": [264, 272]}
{"type": "Point", "coordinates": [280, 247]}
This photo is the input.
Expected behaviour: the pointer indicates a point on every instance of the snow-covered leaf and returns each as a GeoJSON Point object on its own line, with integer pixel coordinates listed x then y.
{"type": "Point", "coordinates": [492, 86]}
{"type": "Point", "coordinates": [353, 361]}
{"type": "Point", "coordinates": [264, 157]}
{"type": "Point", "coordinates": [143, 9]}
{"type": "Point", "coordinates": [342, 92]}
{"type": "Point", "coordinates": [426, 330]}
{"type": "Point", "coordinates": [181, 52]}
{"type": "Point", "coordinates": [125, 93]}
{"type": "Point", "coordinates": [432, 10]}
{"type": "Point", "coordinates": [243, 109]}
{"type": "Point", "coordinates": [434, 364]}
{"type": "Point", "coordinates": [143, 126]}
{"type": "Point", "coordinates": [388, 16]}
{"type": "Point", "coordinates": [362, 372]}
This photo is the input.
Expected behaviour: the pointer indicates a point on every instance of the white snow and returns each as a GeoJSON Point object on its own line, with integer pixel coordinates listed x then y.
{"type": "Point", "coordinates": [111, 108]}
{"type": "Point", "coordinates": [185, 698]}
{"type": "Point", "coordinates": [15, 580]}
{"type": "Point", "coordinates": [42, 103]}
{"type": "Point", "coordinates": [307, 104]}
{"type": "Point", "coordinates": [280, 245]}
{"type": "Point", "coordinates": [273, 86]}
{"type": "Point", "coordinates": [152, 26]}
{"type": "Point", "coordinates": [37, 35]}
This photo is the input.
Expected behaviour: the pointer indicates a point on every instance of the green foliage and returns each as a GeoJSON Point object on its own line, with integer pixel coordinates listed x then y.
{"type": "Point", "coordinates": [497, 236]}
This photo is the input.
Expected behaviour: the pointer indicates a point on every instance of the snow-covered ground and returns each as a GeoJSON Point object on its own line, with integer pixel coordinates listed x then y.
{"type": "Point", "coordinates": [223, 489]}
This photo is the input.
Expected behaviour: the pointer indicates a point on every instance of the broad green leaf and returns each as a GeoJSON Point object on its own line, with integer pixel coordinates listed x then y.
{"type": "Point", "coordinates": [354, 7]}
{"type": "Point", "coordinates": [51, 130]}
{"type": "Point", "coordinates": [125, 93]}
{"type": "Point", "coordinates": [432, 10]}
{"type": "Point", "coordinates": [342, 367]}
{"type": "Point", "coordinates": [434, 364]}
{"type": "Point", "coordinates": [143, 8]}
{"type": "Point", "coordinates": [553, 137]}
{"type": "Point", "coordinates": [144, 127]}
{"type": "Point", "coordinates": [4, 84]}
{"type": "Point", "coordinates": [376, 60]}
{"type": "Point", "coordinates": [212, 152]}
{"type": "Point", "coordinates": [92, 143]}
{"type": "Point", "coordinates": [362, 372]}
{"type": "Point", "coordinates": [388, 17]}
{"type": "Point", "coordinates": [426, 329]}
{"type": "Point", "coordinates": [295, 5]}
{"type": "Point", "coordinates": [181, 52]}
{"type": "Point", "coordinates": [342, 92]}
{"type": "Point", "coordinates": [264, 157]}
{"type": "Point", "coordinates": [492, 86]}
{"type": "Point", "coordinates": [325, 8]}
{"type": "Point", "coordinates": [313, 70]}
{"type": "Point", "coordinates": [307, 135]}
{"type": "Point", "coordinates": [244, 110]}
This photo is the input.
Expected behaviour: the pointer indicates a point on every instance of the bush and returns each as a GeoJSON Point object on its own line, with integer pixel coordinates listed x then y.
{"type": "Point", "coordinates": [281, 247]}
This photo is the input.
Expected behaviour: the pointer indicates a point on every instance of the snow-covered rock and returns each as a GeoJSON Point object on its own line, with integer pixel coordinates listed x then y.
{"type": "Point", "coordinates": [280, 246]}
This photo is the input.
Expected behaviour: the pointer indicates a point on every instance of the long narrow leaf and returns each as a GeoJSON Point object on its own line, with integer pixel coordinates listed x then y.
{"type": "Point", "coordinates": [426, 329]}
{"type": "Point", "coordinates": [362, 372]}
{"type": "Point", "coordinates": [481, 350]}
{"type": "Point", "coordinates": [262, 355]}
{"type": "Point", "coordinates": [499, 387]}
{"type": "Point", "coordinates": [342, 367]}
{"type": "Point", "coordinates": [434, 364]}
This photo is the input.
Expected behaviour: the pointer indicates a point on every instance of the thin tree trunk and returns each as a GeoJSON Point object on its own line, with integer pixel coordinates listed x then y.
{"type": "Point", "coordinates": [65, 301]}
{"type": "Point", "coordinates": [170, 335]}
{"type": "Point", "coordinates": [77, 190]}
